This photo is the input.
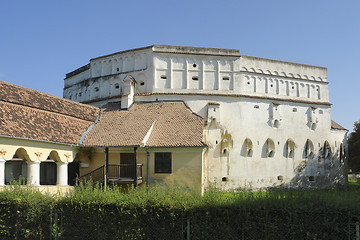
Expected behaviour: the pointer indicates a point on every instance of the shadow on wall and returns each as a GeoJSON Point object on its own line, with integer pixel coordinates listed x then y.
{"type": "Point", "coordinates": [322, 170]}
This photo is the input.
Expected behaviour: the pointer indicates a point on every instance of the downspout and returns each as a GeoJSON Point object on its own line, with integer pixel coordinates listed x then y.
{"type": "Point", "coordinates": [147, 166]}
{"type": "Point", "coordinates": [135, 163]}
{"type": "Point", "coordinates": [106, 150]}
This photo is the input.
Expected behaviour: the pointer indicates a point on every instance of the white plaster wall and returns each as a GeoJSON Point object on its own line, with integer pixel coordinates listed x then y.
{"type": "Point", "coordinates": [283, 87]}
{"type": "Point", "coordinates": [77, 78]}
{"type": "Point", "coordinates": [281, 68]}
{"type": "Point", "coordinates": [189, 73]}
{"type": "Point", "coordinates": [172, 72]}
{"type": "Point", "coordinates": [108, 72]}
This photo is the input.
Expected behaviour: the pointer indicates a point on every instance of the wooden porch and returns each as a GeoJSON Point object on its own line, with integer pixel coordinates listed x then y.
{"type": "Point", "coordinates": [116, 173]}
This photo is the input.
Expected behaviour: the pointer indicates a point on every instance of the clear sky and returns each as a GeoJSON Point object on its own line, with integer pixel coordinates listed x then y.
{"type": "Point", "coordinates": [40, 41]}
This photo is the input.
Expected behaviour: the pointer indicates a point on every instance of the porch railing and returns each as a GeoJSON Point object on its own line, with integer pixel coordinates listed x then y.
{"type": "Point", "coordinates": [117, 173]}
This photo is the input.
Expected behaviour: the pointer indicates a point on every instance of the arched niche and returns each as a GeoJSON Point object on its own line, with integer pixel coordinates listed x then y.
{"type": "Point", "coordinates": [342, 153]}
{"type": "Point", "coordinates": [326, 150]}
{"type": "Point", "coordinates": [290, 148]}
{"type": "Point", "coordinates": [309, 149]}
{"type": "Point", "coordinates": [270, 148]}
{"type": "Point", "coordinates": [248, 148]}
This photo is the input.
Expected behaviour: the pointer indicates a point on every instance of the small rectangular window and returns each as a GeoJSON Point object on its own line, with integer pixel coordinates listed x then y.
{"type": "Point", "coordinates": [163, 162]}
{"type": "Point", "coordinates": [195, 78]}
{"type": "Point", "coordinates": [226, 78]}
{"type": "Point", "coordinates": [163, 77]}
{"type": "Point", "coordinates": [294, 109]}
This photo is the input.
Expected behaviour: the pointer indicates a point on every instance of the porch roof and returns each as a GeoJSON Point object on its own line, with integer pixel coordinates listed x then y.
{"type": "Point", "coordinates": [152, 124]}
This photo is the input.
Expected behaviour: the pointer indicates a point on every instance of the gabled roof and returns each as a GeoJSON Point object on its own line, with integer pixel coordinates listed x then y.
{"type": "Point", "coordinates": [174, 125]}
{"type": "Point", "coordinates": [335, 125]}
{"type": "Point", "coordinates": [30, 114]}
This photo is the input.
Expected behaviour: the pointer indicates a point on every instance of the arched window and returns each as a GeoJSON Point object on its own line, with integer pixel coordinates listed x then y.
{"type": "Point", "coordinates": [290, 148]}
{"type": "Point", "coordinates": [270, 148]}
{"type": "Point", "coordinates": [309, 149]}
{"type": "Point", "coordinates": [248, 148]}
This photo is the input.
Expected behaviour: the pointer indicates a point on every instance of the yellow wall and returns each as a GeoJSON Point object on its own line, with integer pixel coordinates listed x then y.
{"type": "Point", "coordinates": [186, 164]}
{"type": "Point", "coordinates": [186, 167]}
{"type": "Point", "coordinates": [35, 150]}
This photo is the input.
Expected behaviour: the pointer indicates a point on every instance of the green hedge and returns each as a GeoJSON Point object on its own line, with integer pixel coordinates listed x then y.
{"type": "Point", "coordinates": [174, 213]}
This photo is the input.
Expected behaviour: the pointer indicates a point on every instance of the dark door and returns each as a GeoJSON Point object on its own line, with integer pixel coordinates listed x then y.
{"type": "Point", "coordinates": [73, 173]}
{"type": "Point", "coordinates": [127, 167]}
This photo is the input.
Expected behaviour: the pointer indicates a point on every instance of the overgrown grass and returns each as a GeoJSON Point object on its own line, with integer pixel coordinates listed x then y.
{"type": "Point", "coordinates": [179, 197]}
{"type": "Point", "coordinates": [162, 211]}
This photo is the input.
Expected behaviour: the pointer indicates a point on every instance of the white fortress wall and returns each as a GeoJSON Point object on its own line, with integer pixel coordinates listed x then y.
{"type": "Point", "coordinates": [104, 78]}
{"type": "Point", "coordinates": [221, 74]}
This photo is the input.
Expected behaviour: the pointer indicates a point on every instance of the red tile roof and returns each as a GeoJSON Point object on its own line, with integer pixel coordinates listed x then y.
{"type": "Point", "coordinates": [335, 125]}
{"type": "Point", "coordinates": [31, 98]}
{"type": "Point", "coordinates": [174, 125]}
{"type": "Point", "coordinates": [30, 114]}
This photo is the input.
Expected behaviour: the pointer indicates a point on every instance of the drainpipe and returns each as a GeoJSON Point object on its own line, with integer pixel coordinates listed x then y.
{"type": "Point", "coordinates": [136, 177]}
{"type": "Point", "coordinates": [147, 167]}
{"type": "Point", "coordinates": [106, 150]}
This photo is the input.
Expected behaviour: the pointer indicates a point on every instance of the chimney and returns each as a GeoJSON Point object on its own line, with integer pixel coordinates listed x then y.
{"type": "Point", "coordinates": [127, 97]}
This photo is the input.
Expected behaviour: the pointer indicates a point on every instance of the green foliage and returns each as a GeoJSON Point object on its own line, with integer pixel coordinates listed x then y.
{"type": "Point", "coordinates": [160, 212]}
{"type": "Point", "coordinates": [354, 148]}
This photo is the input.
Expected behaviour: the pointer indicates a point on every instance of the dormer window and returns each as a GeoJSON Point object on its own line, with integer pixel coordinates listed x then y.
{"type": "Point", "coordinates": [117, 86]}
{"type": "Point", "coordinates": [96, 89]}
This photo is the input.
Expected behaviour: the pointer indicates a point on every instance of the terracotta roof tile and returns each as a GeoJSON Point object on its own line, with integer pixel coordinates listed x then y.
{"type": "Point", "coordinates": [31, 123]}
{"type": "Point", "coordinates": [31, 98]}
{"type": "Point", "coordinates": [174, 125]}
{"type": "Point", "coordinates": [335, 125]}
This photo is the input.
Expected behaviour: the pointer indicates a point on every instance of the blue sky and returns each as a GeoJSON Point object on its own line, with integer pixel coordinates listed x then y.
{"type": "Point", "coordinates": [40, 41]}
